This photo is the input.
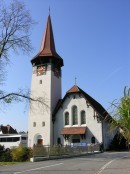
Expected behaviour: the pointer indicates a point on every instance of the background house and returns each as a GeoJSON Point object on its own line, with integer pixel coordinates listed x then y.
{"type": "Point", "coordinates": [7, 130]}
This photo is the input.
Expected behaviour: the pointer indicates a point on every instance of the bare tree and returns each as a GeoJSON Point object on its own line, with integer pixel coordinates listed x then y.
{"type": "Point", "coordinates": [15, 28]}
{"type": "Point", "coordinates": [2, 72]}
{"type": "Point", "coordinates": [22, 95]}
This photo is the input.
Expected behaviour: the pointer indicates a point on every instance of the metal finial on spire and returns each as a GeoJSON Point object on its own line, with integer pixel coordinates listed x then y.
{"type": "Point", "coordinates": [49, 10]}
{"type": "Point", "coordinates": [75, 80]}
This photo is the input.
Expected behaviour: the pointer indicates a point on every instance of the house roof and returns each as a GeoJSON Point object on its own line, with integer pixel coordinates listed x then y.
{"type": "Point", "coordinates": [47, 52]}
{"type": "Point", "coordinates": [73, 131]}
{"type": "Point", "coordinates": [7, 129]}
{"type": "Point", "coordinates": [89, 100]}
{"type": "Point", "coordinates": [75, 88]}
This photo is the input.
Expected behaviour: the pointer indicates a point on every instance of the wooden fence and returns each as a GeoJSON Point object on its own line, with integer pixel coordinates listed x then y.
{"type": "Point", "coordinates": [46, 151]}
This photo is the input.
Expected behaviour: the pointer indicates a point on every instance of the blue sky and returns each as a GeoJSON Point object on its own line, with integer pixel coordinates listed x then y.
{"type": "Point", "coordinates": [92, 37]}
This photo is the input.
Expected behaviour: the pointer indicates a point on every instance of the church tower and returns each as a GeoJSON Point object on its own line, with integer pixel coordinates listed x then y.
{"type": "Point", "coordinates": [46, 84]}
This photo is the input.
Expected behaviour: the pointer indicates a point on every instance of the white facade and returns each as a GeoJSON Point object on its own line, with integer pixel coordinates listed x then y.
{"type": "Point", "coordinates": [108, 135]}
{"type": "Point", "coordinates": [93, 128]}
{"type": "Point", "coordinates": [48, 88]}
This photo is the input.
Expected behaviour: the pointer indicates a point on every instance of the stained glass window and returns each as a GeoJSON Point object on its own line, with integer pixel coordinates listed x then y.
{"type": "Point", "coordinates": [74, 115]}
{"type": "Point", "coordinates": [66, 118]}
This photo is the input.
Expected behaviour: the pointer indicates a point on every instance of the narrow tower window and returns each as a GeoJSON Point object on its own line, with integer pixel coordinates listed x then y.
{"type": "Point", "coordinates": [40, 81]}
{"type": "Point", "coordinates": [43, 124]}
{"type": "Point", "coordinates": [34, 124]}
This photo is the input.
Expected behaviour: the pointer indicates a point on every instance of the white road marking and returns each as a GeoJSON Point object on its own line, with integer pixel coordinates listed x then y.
{"type": "Point", "coordinates": [102, 168]}
{"type": "Point", "coordinates": [107, 164]}
{"type": "Point", "coordinates": [39, 168]}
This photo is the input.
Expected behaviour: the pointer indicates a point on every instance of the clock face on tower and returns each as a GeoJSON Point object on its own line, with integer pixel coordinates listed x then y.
{"type": "Point", "coordinates": [57, 72]}
{"type": "Point", "coordinates": [41, 70]}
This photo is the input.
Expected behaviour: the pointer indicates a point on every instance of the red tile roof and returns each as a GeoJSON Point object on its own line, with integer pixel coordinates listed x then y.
{"type": "Point", "coordinates": [73, 131]}
{"type": "Point", "coordinates": [7, 129]}
{"type": "Point", "coordinates": [73, 89]}
{"type": "Point", "coordinates": [47, 50]}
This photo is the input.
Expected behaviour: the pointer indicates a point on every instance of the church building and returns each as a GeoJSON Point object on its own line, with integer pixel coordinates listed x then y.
{"type": "Point", "coordinates": [75, 118]}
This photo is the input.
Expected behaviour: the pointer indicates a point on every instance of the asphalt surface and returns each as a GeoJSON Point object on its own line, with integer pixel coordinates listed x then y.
{"type": "Point", "coordinates": [103, 163]}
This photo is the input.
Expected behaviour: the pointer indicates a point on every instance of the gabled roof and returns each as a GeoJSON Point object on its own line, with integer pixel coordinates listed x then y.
{"type": "Point", "coordinates": [76, 90]}
{"type": "Point", "coordinates": [7, 129]}
{"type": "Point", "coordinates": [47, 50]}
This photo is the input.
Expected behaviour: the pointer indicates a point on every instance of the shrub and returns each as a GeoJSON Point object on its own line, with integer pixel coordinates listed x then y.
{"type": "Point", "coordinates": [5, 157]}
{"type": "Point", "coordinates": [20, 154]}
{"type": "Point", "coordinates": [1, 148]}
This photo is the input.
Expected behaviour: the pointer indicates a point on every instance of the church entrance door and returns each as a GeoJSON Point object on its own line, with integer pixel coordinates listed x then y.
{"type": "Point", "coordinates": [40, 141]}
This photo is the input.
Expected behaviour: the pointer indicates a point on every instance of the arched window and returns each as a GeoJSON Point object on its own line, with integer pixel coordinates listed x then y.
{"type": "Point", "coordinates": [93, 140]}
{"type": "Point", "coordinates": [58, 140]}
{"type": "Point", "coordinates": [83, 117]}
{"type": "Point", "coordinates": [67, 118]}
{"type": "Point", "coordinates": [74, 115]}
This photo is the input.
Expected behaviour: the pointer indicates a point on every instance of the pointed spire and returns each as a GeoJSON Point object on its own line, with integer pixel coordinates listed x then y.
{"type": "Point", "coordinates": [48, 45]}
{"type": "Point", "coordinates": [47, 48]}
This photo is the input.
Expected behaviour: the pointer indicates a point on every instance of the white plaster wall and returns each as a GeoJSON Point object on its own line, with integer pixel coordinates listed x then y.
{"type": "Point", "coordinates": [55, 96]}
{"type": "Point", "coordinates": [108, 134]}
{"type": "Point", "coordinates": [93, 128]}
{"type": "Point", "coordinates": [55, 90]}
{"type": "Point", "coordinates": [50, 90]}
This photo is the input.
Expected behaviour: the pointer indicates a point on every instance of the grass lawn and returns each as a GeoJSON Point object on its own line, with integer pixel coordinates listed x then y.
{"type": "Point", "coordinates": [8, 163]}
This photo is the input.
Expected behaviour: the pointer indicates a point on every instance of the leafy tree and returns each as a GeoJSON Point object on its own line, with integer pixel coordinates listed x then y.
{"type": "Point", "coordinates": [121, 115]}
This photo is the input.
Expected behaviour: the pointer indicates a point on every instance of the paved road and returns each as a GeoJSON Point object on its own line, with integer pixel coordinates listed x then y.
{"type": "Point", "coordinates": [104, 163]}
